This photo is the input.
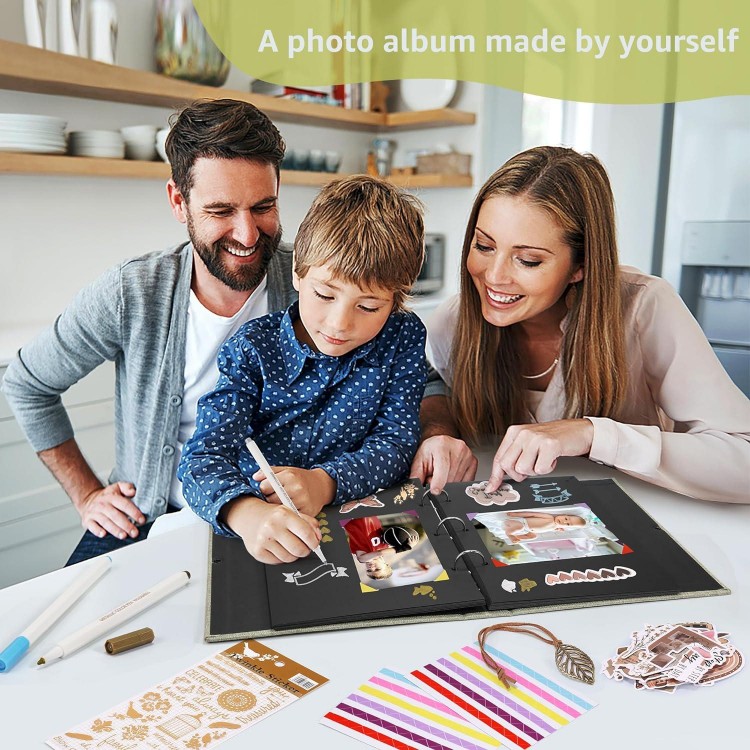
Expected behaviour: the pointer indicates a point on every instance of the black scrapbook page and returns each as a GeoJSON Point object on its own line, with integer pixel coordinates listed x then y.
{"type": "Point", "coordinates": [404, 555]}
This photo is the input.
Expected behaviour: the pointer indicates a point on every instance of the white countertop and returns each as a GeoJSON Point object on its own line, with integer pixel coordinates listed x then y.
{"type": "Point", "coordinates": [39, 703]}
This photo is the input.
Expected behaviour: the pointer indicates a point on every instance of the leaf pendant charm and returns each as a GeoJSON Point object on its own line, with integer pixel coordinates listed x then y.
{"type": "Point", "coordinates": [574, 663]}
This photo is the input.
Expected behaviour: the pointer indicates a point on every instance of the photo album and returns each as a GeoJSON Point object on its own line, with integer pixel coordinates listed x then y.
{"type": "Point", "coordinates": [404, 555]}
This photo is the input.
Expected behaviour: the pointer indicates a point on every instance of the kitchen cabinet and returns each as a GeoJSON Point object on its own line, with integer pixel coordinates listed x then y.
{"type": "Point", "coordinates": [28, 69]}
{"type": "Point", "coordinates": [39, 527]}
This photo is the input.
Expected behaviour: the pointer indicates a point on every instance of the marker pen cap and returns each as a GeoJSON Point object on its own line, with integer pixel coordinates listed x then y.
{"type": "Point", "coordinates": [125, 642]}
{"type": "Point", "coordinates": [12, 654]}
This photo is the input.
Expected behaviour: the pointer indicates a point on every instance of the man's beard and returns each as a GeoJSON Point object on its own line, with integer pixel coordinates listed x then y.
{"type": "Point", "coordinates": [242, 279]}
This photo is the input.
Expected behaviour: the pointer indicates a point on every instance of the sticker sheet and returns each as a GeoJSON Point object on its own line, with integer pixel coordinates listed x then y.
{"type": "Point", "coordinates": [201, 707]}
{"type": "Point", "coordinates": [665, 657]}
{"type": "Point", "coordinates": [390, 711]}
{"type": "Point", "coordinates": [530, 710]}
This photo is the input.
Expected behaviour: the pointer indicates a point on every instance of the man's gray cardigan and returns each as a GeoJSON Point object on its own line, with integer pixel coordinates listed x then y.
{"type": "Point", "coordinates": [135, 315]}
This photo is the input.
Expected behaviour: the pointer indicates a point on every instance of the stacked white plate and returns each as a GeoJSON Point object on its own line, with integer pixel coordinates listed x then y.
{"type": "Point", "coordinates": [107, 144]}
{"type": "Point", "coordinates": [36, 134]}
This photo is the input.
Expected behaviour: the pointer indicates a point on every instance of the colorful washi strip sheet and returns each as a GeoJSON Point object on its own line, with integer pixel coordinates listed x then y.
{"type": "Point", "coordinates": [532, 709]}
{"type": "Point", "coordinates": [390, 711]}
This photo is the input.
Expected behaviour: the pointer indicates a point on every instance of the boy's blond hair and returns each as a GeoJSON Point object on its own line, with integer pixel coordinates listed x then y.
{"type": "Point", "coordinates": [369, 232]}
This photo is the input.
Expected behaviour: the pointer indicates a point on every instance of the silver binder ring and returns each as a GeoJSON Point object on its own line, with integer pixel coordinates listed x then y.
{"type": "Point", "coordinates": [466, 552]}
{"type": "Point", "coordinates": [450, 518]}
{"type": "Point", "coordinates": [433, 497]}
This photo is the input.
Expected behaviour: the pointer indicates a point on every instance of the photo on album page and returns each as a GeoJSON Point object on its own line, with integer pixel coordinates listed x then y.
{"type": "Point", "coordinates": [514, 537]}
{"type": "Point", "coordinates": [391, 550]}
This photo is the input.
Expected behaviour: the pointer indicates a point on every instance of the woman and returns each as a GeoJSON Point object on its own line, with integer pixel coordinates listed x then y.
{"type": "Point", "coordinates": [553, 345]}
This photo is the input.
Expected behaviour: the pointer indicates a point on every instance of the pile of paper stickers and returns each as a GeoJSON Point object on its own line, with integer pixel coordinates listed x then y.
{"type": "Point", "coordinates": [663, 657]}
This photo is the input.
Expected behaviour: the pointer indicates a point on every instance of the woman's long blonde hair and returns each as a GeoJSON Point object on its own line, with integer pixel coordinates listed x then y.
{"type": "Point", "coordinates": [488, 390]}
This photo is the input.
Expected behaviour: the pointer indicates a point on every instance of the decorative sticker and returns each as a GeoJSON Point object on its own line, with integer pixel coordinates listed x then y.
{"type": "Point", "coordinates": [619, 573]}
{"type": "Point", "coordinates": [201, 707]}
{"type": "Point", "coordinates": [371, 501]}
{"type": "Point", "coordinates": [549, 493]}
{"type": "Point", "coordinates": [407, 492]}
{"type": "Point", "coordinates": [502, 495]}
{"type": "Point", "coordinates": [424, 590]}
{"type": "Point", "coordinates": [665, 657]}
{"type": "Point", "coordinates": [324, 530]}
{"type": "Point", "coordinates": [326, 569]}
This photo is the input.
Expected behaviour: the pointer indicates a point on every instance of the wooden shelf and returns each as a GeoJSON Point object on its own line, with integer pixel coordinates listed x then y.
{"type": "Point", "coordinates": [80, 166]}
{"type": "Point", "coordinates": [432, 180]}
{"type": "Point", "coordinates": [24, 68]}
{"type": "Point", "coordinates": [71, 166]}
{"type": "Point", "coordinates": [428, 118]}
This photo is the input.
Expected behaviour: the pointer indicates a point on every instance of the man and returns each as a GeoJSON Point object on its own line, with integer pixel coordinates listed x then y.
{"type": "Point", "coordinates": [162, 318]}
{"type": "Point", "coordinates": [442, 456]}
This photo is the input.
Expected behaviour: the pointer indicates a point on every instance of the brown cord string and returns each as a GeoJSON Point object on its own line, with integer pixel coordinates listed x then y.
{"type": "Point", "coordinates": [512, 627]}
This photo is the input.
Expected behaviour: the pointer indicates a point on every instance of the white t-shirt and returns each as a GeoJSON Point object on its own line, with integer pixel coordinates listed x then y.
{"type": "Point", "coordinates": [206, 332]}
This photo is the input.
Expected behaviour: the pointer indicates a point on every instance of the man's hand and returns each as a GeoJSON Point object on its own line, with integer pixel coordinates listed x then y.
{"type": "Point", "coordinates": [108, 510]}
{"type": "Point", "coordinates": [272, 534]}
{"type": "Point", "coordinates": [309, 489]}
{"type": "Point", "coordinates": [103, 510]}
{"type": "Point", "coordinates": [529, 450]}
{"type": "Point", "coordinates": [442, 459]}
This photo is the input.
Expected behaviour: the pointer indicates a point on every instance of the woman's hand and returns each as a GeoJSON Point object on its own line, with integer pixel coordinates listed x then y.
{"type": "Point", "coordinates": [528, 450]}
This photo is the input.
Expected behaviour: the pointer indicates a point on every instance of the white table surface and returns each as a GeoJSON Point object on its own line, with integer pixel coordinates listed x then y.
{"type": "Point", "coordinates": [37, 703]}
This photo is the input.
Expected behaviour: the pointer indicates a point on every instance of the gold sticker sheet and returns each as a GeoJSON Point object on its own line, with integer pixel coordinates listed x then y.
{"type": "Point", "coordinates": [200, 707]}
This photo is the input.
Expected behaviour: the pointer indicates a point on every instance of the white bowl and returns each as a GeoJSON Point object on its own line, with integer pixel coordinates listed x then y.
{"type": "Point", "coordinates": [97, 135]}
{"type": "Point", "coordinates": [140, 133]}
{"type": "Point", "coordinates": [161, 137]}
{"type": "Point", "coordinates": [140, 151]}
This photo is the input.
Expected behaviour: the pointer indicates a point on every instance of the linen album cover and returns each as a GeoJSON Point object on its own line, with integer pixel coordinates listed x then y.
{"type": "Point", "coordinates": [404, 555]}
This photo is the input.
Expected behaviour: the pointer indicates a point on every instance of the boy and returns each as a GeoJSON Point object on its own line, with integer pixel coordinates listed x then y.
{"type": "Point", "coordinates": [329, 390]}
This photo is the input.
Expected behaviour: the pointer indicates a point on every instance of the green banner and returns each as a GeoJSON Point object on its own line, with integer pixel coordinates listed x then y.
{"type": "Point", "coordinates": [615, 51]}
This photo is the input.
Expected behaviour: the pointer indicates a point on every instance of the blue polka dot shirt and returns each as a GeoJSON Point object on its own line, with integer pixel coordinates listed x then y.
{"type": "Point", "coordinates": [356, 416]}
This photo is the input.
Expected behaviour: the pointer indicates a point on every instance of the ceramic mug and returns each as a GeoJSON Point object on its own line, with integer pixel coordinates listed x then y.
{"type": "Point", "coordinates": [317, 160]}
{"type": "Point", "coordinates": [333, 161]}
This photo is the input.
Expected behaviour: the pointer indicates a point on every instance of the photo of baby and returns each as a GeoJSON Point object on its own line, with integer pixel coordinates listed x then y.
{"type": "Point", "coordinates": [391, 550]}
{"type": "Point", "coordinates": [521, 536]}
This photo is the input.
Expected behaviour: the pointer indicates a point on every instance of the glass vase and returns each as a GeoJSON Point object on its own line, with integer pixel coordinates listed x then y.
{"type": "Point", "coordinates": [183, 47]}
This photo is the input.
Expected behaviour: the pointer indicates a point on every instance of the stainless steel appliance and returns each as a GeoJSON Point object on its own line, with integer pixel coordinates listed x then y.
{"type": "Point", "coordinates": [715, 284]}
{"type": "Point", "coordinates": [430, 278]}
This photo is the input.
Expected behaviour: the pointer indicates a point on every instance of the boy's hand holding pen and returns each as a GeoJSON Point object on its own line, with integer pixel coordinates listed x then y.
{"type": "Point", "coordinates": [275, 533]}
{"type": "Point", "coordinates": [281, 493]}
{"type": "Point", "coordinates": [310, 489]}
{"type": "Point", "coordinates": [272, 533]}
